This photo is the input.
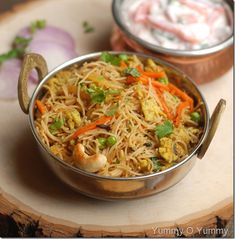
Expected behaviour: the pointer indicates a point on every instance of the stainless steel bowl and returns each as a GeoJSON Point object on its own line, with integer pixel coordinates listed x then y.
{"type": "Point", "coordinates": [114, 188]}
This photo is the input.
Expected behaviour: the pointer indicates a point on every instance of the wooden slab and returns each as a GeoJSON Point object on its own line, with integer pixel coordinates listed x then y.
{"type": "Point", "coordinates": [37, 203]}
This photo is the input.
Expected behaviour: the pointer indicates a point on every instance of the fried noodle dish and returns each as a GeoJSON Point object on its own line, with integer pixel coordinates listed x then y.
{"type": "Point", "coordinates": [117, 116]}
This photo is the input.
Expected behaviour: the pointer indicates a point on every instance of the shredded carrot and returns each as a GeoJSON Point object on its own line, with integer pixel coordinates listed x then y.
{"type": "Point", "coordinates": [139, 68]}
{"type": "Point", "coordinates": [176, 91]}
{"type": "Point", "coordinates": [91, 126]}
{"type": "Point", "coordinates": [151, 74]}
{"type": "Point", "coordinates": [131, 79]}
{"type": "Point", "coordinates": [123, 64]}
{"type": "Point", "coordinates": [179, 110]}
{"type": "Point", "coordinates": [159, 90]}
{"type": "Point", "coordinates": [145, 81]}
{"type": "Point", "coordinates": [42, 108]}
{"type": "Point", "coordinates": [163, 103]}
{"type": "Point", "coordinates": [157, 85]}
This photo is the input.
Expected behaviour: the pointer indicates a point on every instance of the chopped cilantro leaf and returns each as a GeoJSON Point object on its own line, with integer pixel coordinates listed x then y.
{"type": "Point", "coordinates": [87, 28]}
{"type": "Point", "coordinates": [37, 25]}
{"type": "Point", "coordinates": [14, 53]}
{"type": "Point", "coordinates": [22, 41]}
{"type": "Point", "coordinates": [57, 124]}
{"type": "Point", "coordinates": [123, 57]}
{"type": "Point", "coordinates": [106, 57]}
{"type": "Point", "coordinates": [97, 94]}
{"type": "Point", "coordinates": [164, 129]}
{"type": "Point", "coordinates": [132, 72]}
{"type": "Point", "coordinates": [156, 164]}
{"type": "Point", "coordinates": [113, 59]}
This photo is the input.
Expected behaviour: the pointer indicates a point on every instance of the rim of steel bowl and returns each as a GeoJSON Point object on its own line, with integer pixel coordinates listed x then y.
{"type": "Point", "coordinates": [116, 6]}
{"type": "Point", "coordinates": [94, 56]}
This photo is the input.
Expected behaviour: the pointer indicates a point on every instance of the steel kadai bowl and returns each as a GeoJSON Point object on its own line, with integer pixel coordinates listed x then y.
{"type": "Point", "coordinates": [116, 188]}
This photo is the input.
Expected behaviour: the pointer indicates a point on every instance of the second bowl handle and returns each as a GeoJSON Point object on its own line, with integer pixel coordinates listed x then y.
{"type": "Point", "coordinates": [214, 121]}
{"type": "Point", "coordinates": [31, 61]}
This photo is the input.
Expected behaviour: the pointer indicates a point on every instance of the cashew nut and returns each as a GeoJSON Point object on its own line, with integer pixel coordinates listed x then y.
{"type": "Point", "coordinates": [88, 163]}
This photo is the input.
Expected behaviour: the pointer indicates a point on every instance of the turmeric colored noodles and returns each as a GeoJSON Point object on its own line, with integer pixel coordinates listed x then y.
{"type": "Point", "coordinates": [117, 116]}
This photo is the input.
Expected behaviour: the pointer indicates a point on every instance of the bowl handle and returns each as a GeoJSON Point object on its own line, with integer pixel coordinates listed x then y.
{"type": "Point", "coordinates": [31, 61]}
{"type": "Point", "coordinates": [214, 122]}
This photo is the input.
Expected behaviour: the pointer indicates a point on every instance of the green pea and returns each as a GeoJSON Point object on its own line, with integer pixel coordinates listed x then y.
{"type": "Point", "coordinates": [102, 142]}
{"type": "Point", "coordinates": [196, 117]}
{"type": "Point", "coordinates": [111, 140]}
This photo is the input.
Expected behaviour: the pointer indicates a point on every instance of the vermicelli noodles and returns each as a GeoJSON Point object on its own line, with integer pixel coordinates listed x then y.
{"type": "Point", "coordinates": [117, 116]}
